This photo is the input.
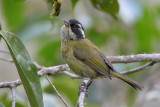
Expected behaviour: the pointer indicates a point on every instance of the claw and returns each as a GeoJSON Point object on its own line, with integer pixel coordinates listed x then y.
{"type": "Point", "coordinates": [84, 87]}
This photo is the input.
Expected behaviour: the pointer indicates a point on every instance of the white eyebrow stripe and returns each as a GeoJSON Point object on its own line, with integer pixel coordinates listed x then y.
{"type": "Point", "coordinates": [82, 32]}
{"type": "Point", "coordinates": [79, 25]}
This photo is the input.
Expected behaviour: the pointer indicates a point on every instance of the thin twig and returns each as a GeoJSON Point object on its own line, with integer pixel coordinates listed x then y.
{"type": "Point", "coordinates": [82, 94]}
{"type": "Point", "coordinates": [13, 89]}
{"type": "Point", "coordinates": [38, 66]}
{"type": "Point", "coordinates": [146, 66]}
{"type": "Point", "coordinates": [10, 84]}
{"type": "Point", "coordinates": [61, 69]}
{"type": "Point", "coordinates": [44, 71]}
{"type": "Point", "coordinates": [4, 51]}
{"type": "Point", "coordinates": [5, 59]}
{"type": "Point", "coordinates": [57, 92]}
{"type": "Point", "coordinates": [135, 58]}
{"type": "Point", "coordinates": [52, 70]}
{"type": "Point", "coordinates": [73, 76]}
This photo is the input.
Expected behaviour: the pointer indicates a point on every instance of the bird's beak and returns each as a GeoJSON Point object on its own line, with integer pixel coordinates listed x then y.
{"type": "Point", "coordinates": [66, 23]}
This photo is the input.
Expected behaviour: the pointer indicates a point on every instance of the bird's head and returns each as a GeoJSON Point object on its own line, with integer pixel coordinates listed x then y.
{"type": "Point", "coordinates": [72, 30]}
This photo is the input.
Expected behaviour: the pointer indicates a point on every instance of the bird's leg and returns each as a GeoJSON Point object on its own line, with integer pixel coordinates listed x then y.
{"type": "Point", "coordinates": [84, 87]}
{"type": "Point", "coordinates": [89, 83]}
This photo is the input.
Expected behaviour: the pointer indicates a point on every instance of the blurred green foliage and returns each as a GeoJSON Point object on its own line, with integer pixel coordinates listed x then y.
{"type": "Point", "coordinates": [67, 87]}
{"type": "Point", "coordinates": [13, 11]}
{"type": "Point", "coordinates": [74, 2]}
{"type": "Point", "coordinates": [50, 54]}
{"type": "Point", "coordinates": [1, 105]}
{"type": "Point", "coordinates": [8, 101]}
{"type": "Point", "coordinates": [108, 6]}
{"type": "Point", "coordinates": [146, 29]}
{"type": "Point", "coordinates": [115, 37]}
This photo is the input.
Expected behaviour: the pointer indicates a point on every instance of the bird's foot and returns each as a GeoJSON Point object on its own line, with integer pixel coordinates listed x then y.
{"type": "Point", "coordinates": [83, 88]}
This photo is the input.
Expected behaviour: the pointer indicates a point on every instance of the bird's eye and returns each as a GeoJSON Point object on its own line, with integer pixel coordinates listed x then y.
{"type": "Point", "coordinates": [74, 26]}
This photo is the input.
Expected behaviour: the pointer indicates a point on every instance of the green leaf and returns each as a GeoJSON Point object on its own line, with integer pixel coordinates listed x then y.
{"type": "Point", "coordinates": [7, 101]}
{"type": "Point", "coordinates": [26, 68]}
{"type": "Point", "coordinates": [1, 105]}
{"type": "Point", "coordinates": [13, 11]}
{"type": "Point", "coordinates": [107, 6]}
{"type": "Point", "coordinates": [74, 2]}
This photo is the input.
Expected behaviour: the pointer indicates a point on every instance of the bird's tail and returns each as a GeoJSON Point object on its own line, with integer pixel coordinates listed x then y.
{"type": "Point", "coordinates": [129, 81]}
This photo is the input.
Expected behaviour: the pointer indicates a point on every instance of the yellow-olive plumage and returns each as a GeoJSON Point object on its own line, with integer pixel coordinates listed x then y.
{"type": "Point", "coordinates": [84, 58]}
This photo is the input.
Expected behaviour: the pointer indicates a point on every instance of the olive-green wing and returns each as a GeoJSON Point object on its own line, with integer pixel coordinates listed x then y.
{"type": "Point", "coordinates": [89, 54]}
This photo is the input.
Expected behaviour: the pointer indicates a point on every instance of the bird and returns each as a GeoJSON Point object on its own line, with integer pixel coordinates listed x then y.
{"type": "Point", "coordinates": [84, 58]}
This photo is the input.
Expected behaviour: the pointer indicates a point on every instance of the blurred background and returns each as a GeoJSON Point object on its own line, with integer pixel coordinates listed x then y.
{"type": "Point", "coordinates": [135, 31]}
